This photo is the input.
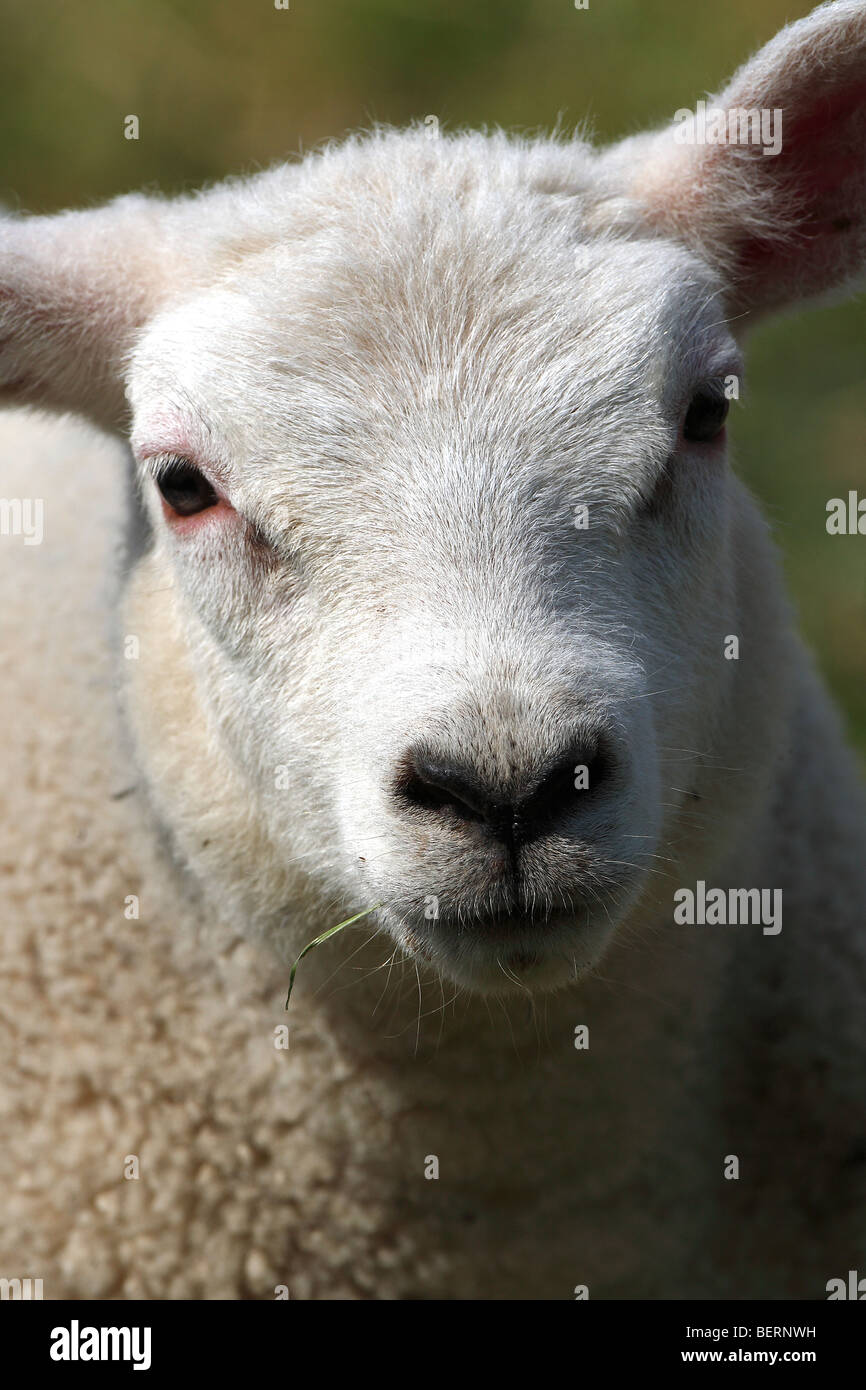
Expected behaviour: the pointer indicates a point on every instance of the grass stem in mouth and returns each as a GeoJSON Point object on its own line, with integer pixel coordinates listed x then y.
{"type": "Point", "coordinates": [317, 941]}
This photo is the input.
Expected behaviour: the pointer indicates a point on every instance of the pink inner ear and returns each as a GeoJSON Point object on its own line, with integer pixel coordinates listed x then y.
{"type": "Point", "coordinates": [820, 172]}
{"type": "Point", "coordinates": [823, 148]}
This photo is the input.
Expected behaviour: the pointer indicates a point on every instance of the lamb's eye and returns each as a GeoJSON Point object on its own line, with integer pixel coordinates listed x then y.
{"type": "Point", "coordinates": [705, 417]}
{"type": "Point", "coordinates": [184, 488]}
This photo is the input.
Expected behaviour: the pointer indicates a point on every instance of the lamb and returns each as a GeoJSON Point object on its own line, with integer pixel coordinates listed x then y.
{"type": "Point", "coordinates": [439, 601]}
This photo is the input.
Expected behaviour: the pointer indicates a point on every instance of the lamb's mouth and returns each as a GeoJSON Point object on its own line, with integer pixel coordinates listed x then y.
{"type": "Point", "coordinates": [498, 952]}
{"type": "Point", "coordinates": [513, 960]}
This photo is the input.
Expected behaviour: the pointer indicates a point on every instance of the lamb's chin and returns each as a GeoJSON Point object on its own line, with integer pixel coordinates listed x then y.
{"type": "Point", "coordinates": [513, 955]}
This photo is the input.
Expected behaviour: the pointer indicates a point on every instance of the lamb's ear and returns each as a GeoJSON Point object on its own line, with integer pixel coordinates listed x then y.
{"type": "Point", "coordinates": [782, 226]}
{"type": "Point", "coordinates": [73, 290]}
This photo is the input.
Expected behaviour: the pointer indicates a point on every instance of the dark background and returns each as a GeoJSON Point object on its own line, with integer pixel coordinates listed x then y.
{"type": "Point", "coordinates": [230, 85]}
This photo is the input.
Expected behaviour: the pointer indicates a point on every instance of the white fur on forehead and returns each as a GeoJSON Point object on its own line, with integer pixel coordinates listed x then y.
{"type": "Point", "coordinates": [380, 340]}
{"type": "Point", "coordinates": [369, 176]}
{"type": "Point", "coordinates": [397, 241]}
{"type": "Point", "coordinates": [378, 252]}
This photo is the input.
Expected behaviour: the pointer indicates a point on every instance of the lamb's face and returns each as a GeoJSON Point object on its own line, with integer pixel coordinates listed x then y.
{"type": "Point", "coordinates": [449, 565]}
{"type": "Point", "coordinates": [449, 529]}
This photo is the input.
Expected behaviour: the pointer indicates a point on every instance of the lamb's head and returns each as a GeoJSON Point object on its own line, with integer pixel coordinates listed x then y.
{"type": "Point", "coordinates": [447, 512]}
{"type": "Point", "coordinates": [445, 559]}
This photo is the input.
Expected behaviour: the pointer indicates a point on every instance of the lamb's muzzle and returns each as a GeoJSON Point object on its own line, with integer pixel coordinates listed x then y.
{"type": "Point", "coordinates": [521, 843]}
{"type": "Point", "coordinates": [458, 794]}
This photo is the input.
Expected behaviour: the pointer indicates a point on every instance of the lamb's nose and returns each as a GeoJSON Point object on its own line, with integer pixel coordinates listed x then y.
{"type": "Point", "coordinates": [547, 802]}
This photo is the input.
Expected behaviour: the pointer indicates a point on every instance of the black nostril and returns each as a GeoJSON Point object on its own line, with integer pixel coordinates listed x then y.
{"type": "Point", "coordinates": [541, 804]}
{"type": "Point", "coordinates": [431, 785]}
{"type": "Point", "coordinates": [567, 786]}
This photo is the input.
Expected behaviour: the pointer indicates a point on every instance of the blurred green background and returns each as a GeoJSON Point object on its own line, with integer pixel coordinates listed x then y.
{"type": "Point", "coordinates": [231, 85]}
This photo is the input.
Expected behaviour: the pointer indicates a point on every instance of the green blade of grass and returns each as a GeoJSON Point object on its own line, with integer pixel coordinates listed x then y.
{"type": "Point", "coordinates": [317, 941]}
